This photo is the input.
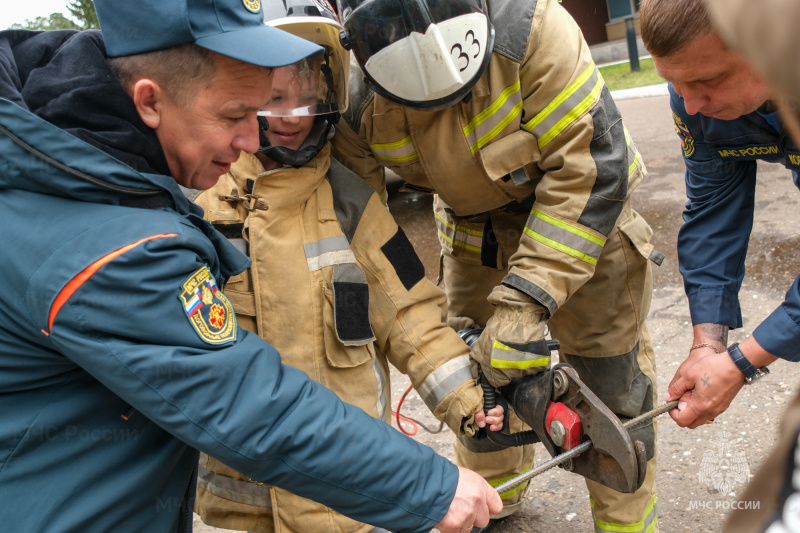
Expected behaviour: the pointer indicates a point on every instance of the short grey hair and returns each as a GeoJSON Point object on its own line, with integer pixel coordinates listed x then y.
{"type": "Point", "coordinates": [181, 70]}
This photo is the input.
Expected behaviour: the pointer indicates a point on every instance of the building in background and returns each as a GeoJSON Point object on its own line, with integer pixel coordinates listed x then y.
{"type": "Point", "coordinates": [603, 26]}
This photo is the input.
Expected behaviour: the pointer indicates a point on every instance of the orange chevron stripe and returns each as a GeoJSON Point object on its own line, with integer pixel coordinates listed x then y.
{"type": "Point", "coordinates": [76, 282]}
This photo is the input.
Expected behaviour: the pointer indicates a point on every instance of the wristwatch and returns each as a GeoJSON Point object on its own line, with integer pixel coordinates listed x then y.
{"type": "Point", "coordinates": [750, 372]}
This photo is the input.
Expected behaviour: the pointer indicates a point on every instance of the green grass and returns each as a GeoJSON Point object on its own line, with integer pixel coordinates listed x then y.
{"type": "Point", "coordinates": [620, 76]}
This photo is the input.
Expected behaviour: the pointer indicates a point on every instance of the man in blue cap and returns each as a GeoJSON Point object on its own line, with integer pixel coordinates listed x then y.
{"type": "Point", "coordinates": [119, 355]}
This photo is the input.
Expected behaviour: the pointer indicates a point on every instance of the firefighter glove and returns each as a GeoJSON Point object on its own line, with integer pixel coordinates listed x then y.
{"type": "Point", "coordinates": [513, 343]}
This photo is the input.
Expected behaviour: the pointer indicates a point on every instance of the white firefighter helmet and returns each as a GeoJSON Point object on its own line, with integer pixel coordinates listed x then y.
{"type": "Point", "coordinates": [423, 54]}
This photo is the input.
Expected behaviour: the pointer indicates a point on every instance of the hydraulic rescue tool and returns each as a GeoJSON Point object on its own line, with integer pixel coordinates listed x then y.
{"type": "Point", "coordinates": [579, 431]}
{"type": "Point", "coordinates": [567, 457]}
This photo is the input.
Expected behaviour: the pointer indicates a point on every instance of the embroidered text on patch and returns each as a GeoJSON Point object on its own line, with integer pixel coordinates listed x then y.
{"type": "Point", "coordinates": [208, 310]}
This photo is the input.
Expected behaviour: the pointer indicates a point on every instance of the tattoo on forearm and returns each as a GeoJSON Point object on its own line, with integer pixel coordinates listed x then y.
{"type": "Point", "coordinates": [716, 332]}
{"type": "Point", "coordinates": [706, 379]}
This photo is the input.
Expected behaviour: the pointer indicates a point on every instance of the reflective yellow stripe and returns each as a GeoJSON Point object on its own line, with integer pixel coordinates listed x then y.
{"type": "Point", "coordinates": [399, 152]}
{"type": "Point", "coordinates": [586, 88]}
{"type": "Point", "coordinates": [572, 240]}
{"type": "Point", "coordinates": [560, 247]}
{"type": "Point", "coordinates": [566, 93]}
{"type": "Point", "coordinates": [517, 359]}
{"type": "Point", "coordinates": [495, 482]}
{"type": "Point", "coordinates": [647, 524]}
{"type": "Point", "coordinates": [568, 227]}
{"type": "Point", "coordinates": [453, 239]}
{"type": "Point", "coordinates": [521, 365]}
{"type": "Point", "coordinates": [586, 104]}
{"type": "Point", "coordinates": [634, 152]}
{"type": "Point", "coordinates": [480, 137]}
{"type": "Point", "coordinates": [460, 244]}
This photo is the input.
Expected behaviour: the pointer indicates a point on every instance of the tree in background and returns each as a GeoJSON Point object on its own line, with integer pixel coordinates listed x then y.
{"type": "Point", "coordinates": [81, 10]}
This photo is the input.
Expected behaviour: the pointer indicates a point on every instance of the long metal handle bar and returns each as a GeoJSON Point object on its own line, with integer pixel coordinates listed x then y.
{"type": "Point", "coordinates": [633, 423]}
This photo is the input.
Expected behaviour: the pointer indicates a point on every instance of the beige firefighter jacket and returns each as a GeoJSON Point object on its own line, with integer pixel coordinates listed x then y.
{"type": "Point", "coordinates": [539, 133]}
{"type": "Point", "coordinates": [336, 287]}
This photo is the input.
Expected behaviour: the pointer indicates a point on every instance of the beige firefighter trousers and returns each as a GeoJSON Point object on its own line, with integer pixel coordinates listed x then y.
{"type": "Point", "coordinates": [603, 334]}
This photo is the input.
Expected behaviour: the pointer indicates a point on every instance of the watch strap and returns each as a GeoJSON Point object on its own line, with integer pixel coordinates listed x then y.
{"type": "Point", "coordinates": [750, 372]}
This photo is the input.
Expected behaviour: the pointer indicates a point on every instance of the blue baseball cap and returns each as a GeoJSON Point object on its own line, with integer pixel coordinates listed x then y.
{"type": "Point", "coordinates": [233, 28]}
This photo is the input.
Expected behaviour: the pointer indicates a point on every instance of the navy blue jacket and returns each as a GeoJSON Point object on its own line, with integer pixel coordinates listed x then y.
{"type": "Point", "coordinates": [720, 158]}
{"type": "Point", "coordinates": [119, 356]}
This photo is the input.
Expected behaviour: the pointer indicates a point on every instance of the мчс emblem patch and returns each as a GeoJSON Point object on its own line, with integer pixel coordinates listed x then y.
{"type": "Point", "coordinates": [253, 6]}
{"type": "Point", "coordinates": [687, 141]}
{"type": "Point", "coordinates": [208, 310]}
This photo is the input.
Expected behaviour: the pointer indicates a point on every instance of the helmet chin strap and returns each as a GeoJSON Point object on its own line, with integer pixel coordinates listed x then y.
{"type": "Point", "coordinates": [297, 158]}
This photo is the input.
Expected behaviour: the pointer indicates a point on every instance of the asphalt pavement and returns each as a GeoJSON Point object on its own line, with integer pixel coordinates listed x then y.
{"type": "Point", "coordinates": [688, 499]}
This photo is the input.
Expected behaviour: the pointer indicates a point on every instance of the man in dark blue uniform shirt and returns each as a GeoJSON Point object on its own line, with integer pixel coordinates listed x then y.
{"type": "Point", "coordinates": [726, 121]}
{"type": "Point", "coordinates": [766, 32]}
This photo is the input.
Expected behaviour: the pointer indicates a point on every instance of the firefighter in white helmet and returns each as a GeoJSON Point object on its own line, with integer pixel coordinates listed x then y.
{"type": "Point", "coordinates": [497, 108]}
{"type": "Point", "coordinates": [334, 283]}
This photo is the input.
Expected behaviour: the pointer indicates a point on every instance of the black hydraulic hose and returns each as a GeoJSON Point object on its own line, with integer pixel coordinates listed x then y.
{"type": "Point", "coordinates": [507, 440]}
{"type": "Point", "coordinates": [504, 439]}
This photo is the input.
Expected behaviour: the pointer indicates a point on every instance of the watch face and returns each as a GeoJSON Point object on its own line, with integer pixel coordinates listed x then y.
{"type": "Point", "coordinates": [760, 373]}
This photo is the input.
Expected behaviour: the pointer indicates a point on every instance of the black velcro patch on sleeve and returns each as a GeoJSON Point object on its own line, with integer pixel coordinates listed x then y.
{"type": "Point", "coordinates": [352, 311]}
{"type": "Point", "coordinates": [230, 231]}
{"type": "Point", "coordinates": [400, 253]}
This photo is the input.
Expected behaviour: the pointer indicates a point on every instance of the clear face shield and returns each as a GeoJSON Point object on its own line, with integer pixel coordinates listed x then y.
{"type": "Point", "coordinates": [313, 86]}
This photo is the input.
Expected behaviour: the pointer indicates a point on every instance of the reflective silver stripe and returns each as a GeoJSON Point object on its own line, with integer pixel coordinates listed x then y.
{"type": "Point", "coordinates": [580, 96]}
{"type": "Point", "coordinates": [459, 236]}
{"type": "Point", "coordinates": [327, 252]}
{"type": "Point", "coordinates": [398, 152]}
{"type": "Point", "coordinates": [504, 356]}
{"type": "Point", "coordinates": [633, 153]}
{"type": "Point", "coordinates": [240, 245]}
{"type": "Point", "coordinates": [647, 524]}
{"type": "Point", "coordinates": [519, 176]}
{"type": "Point", "coordinates": [233, 489]}
{"type": "Point", "coordinates": [564, 237]}
{"type": "Point", "coordinates": [381, 402]}
{"type": "Point", "coordinates": [490, 122]}
{"type": "Point", "coordinates": [444, 380]}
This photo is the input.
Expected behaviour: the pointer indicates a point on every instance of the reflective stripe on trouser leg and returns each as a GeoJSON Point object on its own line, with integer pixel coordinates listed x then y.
{"type": "Point", "coordinates": [630, 513]}
{"type": "Point", "coordinates": [497, 467]}
{"type": "Point", "coordinates": [614, 502]}
{"type": "Point", "coordinates": [604, 323]}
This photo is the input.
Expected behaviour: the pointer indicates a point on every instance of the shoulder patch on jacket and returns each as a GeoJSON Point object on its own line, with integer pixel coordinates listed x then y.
{"type": "Point", "coordinates": [208, 310]}
{"type": "Point", "coordinates": [400, 253]}
{"type": "Point", "coordinates": [687, 141]}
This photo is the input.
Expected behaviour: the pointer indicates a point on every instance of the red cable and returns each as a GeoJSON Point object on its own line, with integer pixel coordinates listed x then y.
{"type": "Point", "coordinates": [414, 422]}
{"type": "Point", "coordinates": [398, 416]}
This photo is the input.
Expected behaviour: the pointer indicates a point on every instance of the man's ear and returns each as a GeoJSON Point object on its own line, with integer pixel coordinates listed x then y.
{"type": "Point", "coordinates": [147, 97]}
